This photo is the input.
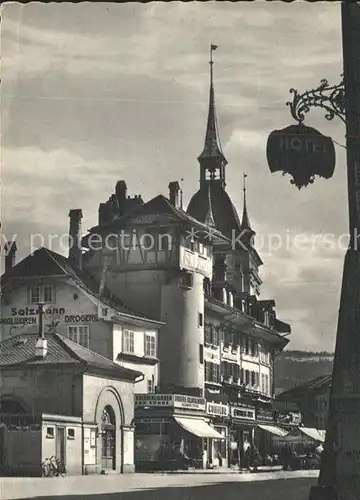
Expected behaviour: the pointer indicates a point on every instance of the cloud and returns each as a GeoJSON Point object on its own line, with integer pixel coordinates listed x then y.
{"type": "Point", "coordinates": [93, 93]}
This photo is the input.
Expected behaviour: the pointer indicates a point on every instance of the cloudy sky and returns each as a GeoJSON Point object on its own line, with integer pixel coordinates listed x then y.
{"type": "Point", "coordinates": [94, 93]}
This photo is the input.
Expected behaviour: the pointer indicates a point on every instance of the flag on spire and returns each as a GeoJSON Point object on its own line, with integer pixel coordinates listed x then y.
{"type": "Point", "coordinates": [214, 47]}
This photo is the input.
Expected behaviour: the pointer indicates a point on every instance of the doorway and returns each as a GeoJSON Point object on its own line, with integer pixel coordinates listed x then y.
{"type": "Point", "coordinates": [108, 458]}
{"type": "Point", "coordinates": [60, 444]}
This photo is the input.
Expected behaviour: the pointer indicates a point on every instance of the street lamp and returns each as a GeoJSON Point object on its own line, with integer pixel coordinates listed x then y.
{"type": "Point", "coordinates": [340, 465]}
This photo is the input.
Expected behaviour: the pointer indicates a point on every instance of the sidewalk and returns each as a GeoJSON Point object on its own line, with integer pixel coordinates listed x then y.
{"type": "Point", "coordinates": [220, 470]}
{"type": "Point", "coordinates": [97, 487]}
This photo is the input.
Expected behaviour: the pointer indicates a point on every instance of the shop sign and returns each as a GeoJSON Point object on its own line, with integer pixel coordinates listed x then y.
{"type": "Point", "coordinates": [265, 415]}
{"type": "Point", "coordinates": [142, 400]}
{"type": "Point", "coordinates": [289, 418]}
{"type": "Point", "coordinates": [217, 409]}
{"type": "Point", "coordinates": [243, 413]}
{"type": "Point", "coordinates": [169, 400]}
{"type": "Point", "coordinates": [189, 402]}
{"type": "Point", "coordinates": [28, 316]}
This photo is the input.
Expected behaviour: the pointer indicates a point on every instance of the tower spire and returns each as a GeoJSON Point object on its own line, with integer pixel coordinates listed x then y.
{"type": "Point", "coordinates": [212, 160]}
{"type": "Point", "coordinates": [245, 223]}
{"type": "Point", "coordinates": [209, 219]}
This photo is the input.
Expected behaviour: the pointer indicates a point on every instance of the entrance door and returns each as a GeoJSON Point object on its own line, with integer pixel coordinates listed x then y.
{"type": "Point", "coordinates": [108, 439]}
{"type": "Point", "coordinates": [60, 444]}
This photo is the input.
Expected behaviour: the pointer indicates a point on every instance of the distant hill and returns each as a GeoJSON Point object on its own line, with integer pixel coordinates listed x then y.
{"type": "Point", "coordinates": [295, 367]}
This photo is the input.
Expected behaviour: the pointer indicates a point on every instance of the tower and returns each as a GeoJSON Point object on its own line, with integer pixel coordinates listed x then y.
{"type": "Point", "coordinates": [212, 160]}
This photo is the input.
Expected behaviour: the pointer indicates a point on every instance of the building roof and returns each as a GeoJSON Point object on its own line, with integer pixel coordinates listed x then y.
{"type": "Point", "coordinates": [223, 210]}
{"type": "Point", "coordinates": [20, 350]}
{"type": "Point", "coordinates": [158, 211]}
{"type": "Point", "coordinates": [44, 262]}
{"type": "Point", "coordinates": [301, 390]}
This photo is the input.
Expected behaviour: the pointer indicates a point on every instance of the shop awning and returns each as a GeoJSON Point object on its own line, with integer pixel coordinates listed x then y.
{"type": "Point", "coordinates": [277, 431]}
{"type": "Point", "coordinates": [198, 427]}
{"type": "Point", "coordinates": [313, 433]}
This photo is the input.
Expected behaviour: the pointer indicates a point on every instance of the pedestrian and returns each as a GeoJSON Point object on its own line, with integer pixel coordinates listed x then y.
{"type": "Point", "coordinates": [319, 448]}
{"type": "Point", "coordinates": [246, 454]}
{"type": "Point", "coordinates": [255, 458]}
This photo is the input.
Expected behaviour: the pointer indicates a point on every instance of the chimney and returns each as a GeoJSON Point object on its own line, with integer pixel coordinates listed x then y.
{"type": "Point", "coordinates": [174, 193]}
{"type": "Point", "coordinates": [75, 249]}
{"type": "Point", "coordinates": [41, 347]}
{"type": "Point", "coordinates": [10, 253]}
{"type": "Point", "coordinates": [120, 191]}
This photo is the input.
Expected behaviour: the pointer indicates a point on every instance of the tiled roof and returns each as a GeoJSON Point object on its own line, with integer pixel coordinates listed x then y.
{"type": "Point", "coordinates": [309, 386]}
{"type": "Point", "coordinates": [45, 262]}
{"type": "Point", "coordinates": [20, 350]}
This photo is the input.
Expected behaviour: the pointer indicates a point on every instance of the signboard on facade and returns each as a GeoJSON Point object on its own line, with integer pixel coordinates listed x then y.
{"type": "Point", "coordinates": [192, 261]}
{"type": "Point", "coordinates": [217, 410]}
{"type": "Point", "coordinates": [189, 402]}
{"type": "Point", "coordinates": [302, 152]}
{"type": "Point", "coordinates": [289, 418]}
{"type": "Point", "coordinates": [243, 413]}
{"type": "Point", "coordinates": [28, 316]}
{"type": "Point", "coordinates": [89, 446]}
{"type": "Point", "coordinates": [265, 415]}
{"type": "Point", "coordinates": [169, 400]}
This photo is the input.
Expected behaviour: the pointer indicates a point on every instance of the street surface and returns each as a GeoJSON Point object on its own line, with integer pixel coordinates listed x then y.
{"type": "Point", "coordinates": [262, 486]}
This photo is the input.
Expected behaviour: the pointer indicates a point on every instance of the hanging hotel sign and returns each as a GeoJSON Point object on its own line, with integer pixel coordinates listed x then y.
{"type": "Point", "coordinates": [302, 152]}
{"type": "Point", "coordinates": [169, 400]}
{"type": "Point", "coordinates": [217, 410]}
{"type": "Point", "coordinates": [243, 413]}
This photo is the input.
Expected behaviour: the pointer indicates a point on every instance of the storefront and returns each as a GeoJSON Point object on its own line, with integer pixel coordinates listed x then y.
{"type": "Point", "coordinates": [172, 431]}
{"type": "Point", "coordinates": [272, 428]}
{"type": "Point", "coordinates": [218, 449]}
{"type": "Point", "coordinates": [241, 429]}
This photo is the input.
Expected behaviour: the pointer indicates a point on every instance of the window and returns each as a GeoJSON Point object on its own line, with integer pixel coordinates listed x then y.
{"type": "Point", "coordinates": [215, 335]}
{"type": "Point", "coordinates": [79, 334]}
{"type": "Point", "coordinates": [150, 346]}
{"type": "Point", "coordinates": [34, 294]}
{"type": "Point", "coordinates": [48, 294]}
{"type": "Point", "coordinates": [186, 280]}
{"type": "Point", "coordinates": [128, 344]}
{"type": "Point", "coordinates": [71, 433]}
{"type": "Point", "coordinates": [39, 293]}
{"type": "Point", "coordinates": [212, 372]}
{"type": "Point", "coordinates": [208, 333]}
{"type": "Point", "coordinates": [201, 353]}
{"type": "Point", "coordinates": [50, 432]}
{"type": "Point", "coordinates": [247, 377]}
{"type": "Point", "coordinates": [151, 385]}
{"type": "Point", "coordinates": [263, 383]}
{"type": "Point", "coordinates": [104, 311]}
{"type": "Point", "coordinates": [200, 319]}
{"type": "Point", "coordinates": [253, 378]}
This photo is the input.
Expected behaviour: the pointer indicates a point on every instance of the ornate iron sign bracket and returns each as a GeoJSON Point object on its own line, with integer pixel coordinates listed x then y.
{"type": "Point", "coordinates": [330, 98]}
